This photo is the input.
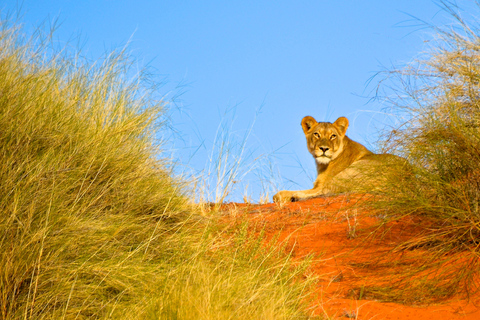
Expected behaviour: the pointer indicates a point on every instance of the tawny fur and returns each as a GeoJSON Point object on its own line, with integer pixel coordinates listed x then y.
{"type": "Point", "coordinates": [341, 162]}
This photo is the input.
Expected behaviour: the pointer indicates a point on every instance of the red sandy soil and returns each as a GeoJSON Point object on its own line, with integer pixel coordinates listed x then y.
{"type": "Point", "coordinates": [330, 229]}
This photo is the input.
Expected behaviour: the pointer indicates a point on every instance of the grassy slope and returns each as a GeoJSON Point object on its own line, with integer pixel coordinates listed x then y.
{"type": "Point", "coordinates": [91, 223]}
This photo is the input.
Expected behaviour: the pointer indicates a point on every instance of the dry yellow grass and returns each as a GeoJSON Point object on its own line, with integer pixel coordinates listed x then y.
{"type": "Point", "coordinates": [437, 101]}
{"type": "Point", "coordinates": [92, 223]}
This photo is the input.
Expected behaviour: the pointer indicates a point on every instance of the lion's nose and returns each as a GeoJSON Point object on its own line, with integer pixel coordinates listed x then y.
{"type": "Point", "coordinates": [324, 149]}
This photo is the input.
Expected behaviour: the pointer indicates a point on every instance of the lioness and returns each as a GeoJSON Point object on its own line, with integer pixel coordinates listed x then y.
{"type": "Point", "coordinates": [343, 165]}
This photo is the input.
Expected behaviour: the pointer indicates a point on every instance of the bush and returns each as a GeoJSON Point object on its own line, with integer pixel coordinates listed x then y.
{"type": "Point", "coordinates": [437, 103]}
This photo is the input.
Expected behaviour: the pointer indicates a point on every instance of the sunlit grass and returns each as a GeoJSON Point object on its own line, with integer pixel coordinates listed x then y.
{"type": "Point", "coordinates": [437, 102]}
{"type": "Point", "coordinates": [92, 222]}
{"type": "Point", "coordinates": [235, 165]}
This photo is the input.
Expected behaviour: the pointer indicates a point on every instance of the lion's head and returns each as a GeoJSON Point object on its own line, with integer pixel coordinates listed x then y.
{"type": "Point", "coordinates": [324, 139]}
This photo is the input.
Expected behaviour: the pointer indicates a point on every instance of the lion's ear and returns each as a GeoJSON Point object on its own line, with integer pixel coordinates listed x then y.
{"type": "Point", "coordinates": [307, 123]}
{"type": "Point", "coordinates": [342, 124]}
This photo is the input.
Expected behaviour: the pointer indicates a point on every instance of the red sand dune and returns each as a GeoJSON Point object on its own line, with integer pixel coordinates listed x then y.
{"type": "Point", "coordinates": [321, 228]}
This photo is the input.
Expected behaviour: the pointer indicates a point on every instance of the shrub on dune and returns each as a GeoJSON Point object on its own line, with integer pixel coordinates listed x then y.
{"type": "Point", "coordinates": [437, 101]}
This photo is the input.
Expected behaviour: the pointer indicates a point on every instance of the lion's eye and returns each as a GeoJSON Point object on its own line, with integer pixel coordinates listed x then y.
{"type": "Point", "coordinates": [333, 137]}
{"type": "Point", "coordinates": [316, 135]}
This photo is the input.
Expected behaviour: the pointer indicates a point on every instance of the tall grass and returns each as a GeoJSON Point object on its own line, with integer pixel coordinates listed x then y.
{"type": "Point", "coordinates": [247, 281]}
{"type": "Point", "coordinates": [80, 183]}
{"type": "Point", "coordinates": [232, 164]}
{"type": "Point", "coordinates": [92, 223]}
{"type": "Point", "coordinates": [437, 100]}
{"type": "Point", "coordinates": [228, 163]}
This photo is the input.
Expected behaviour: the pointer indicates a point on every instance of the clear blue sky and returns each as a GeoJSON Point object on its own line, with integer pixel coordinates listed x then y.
{"type": "Point", "coordinates": [291, 58]}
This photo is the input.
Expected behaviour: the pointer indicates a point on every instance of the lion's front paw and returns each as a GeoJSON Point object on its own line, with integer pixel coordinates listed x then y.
{"type": "Point", "coordinates": [284, 196]}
